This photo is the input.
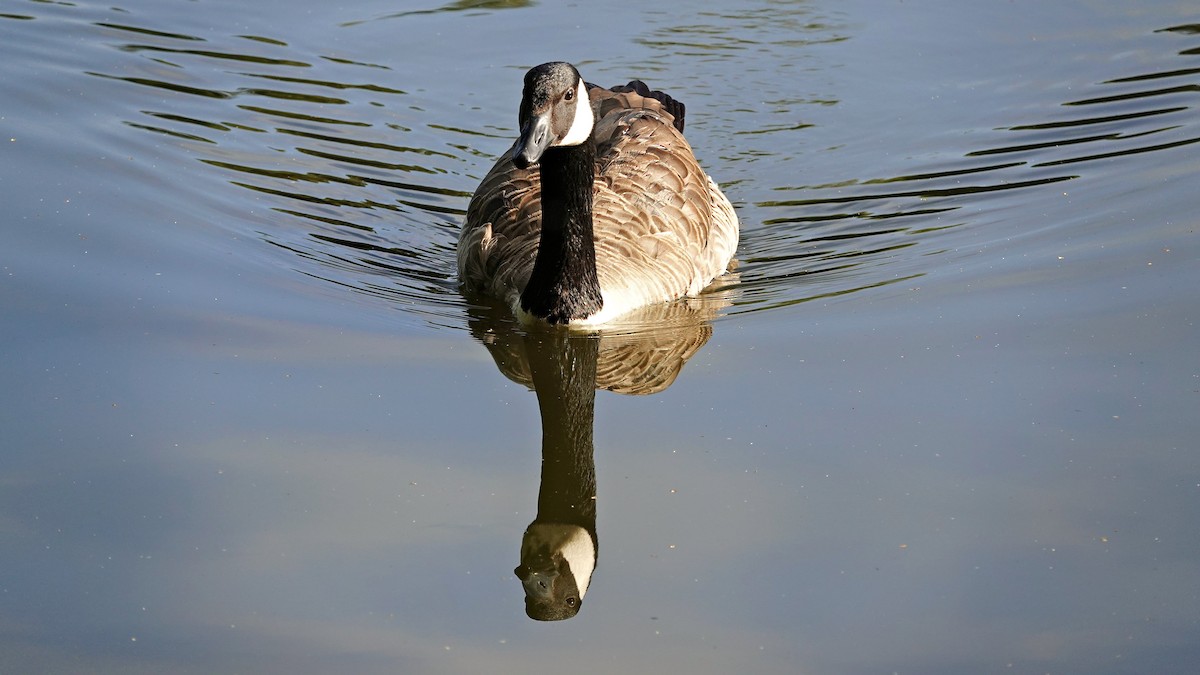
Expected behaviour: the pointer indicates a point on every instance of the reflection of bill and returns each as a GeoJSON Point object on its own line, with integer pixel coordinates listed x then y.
{"type": "Point", "coordinates": [642, 355]}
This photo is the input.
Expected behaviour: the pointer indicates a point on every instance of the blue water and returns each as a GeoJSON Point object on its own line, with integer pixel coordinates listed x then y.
{"type": "Point", "coordinates": [941, 417]}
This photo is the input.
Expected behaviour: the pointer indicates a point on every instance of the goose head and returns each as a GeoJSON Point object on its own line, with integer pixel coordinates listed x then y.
{"type": "Point", "coordinates": [555, 112]}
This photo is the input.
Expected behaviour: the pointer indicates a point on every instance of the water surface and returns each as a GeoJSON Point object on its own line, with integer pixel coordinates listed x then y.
{"type": "Point", "coordinates": [941, 417]}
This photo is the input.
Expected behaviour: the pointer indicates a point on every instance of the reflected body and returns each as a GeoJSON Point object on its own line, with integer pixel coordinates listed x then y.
{"type": "Point", "coordinates": [559, 549]}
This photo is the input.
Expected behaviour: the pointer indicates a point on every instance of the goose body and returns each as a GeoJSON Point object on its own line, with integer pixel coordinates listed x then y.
{"type": "Point", "coordinates": [616, 214]}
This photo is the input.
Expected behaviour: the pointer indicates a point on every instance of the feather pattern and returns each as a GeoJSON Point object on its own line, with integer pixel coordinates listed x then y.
{"type": "Point", "coordinates": [662, 229]}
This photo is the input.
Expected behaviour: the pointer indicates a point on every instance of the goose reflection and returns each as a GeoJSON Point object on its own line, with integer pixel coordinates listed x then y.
{"type": "Point", "coordinates": [643, 355]}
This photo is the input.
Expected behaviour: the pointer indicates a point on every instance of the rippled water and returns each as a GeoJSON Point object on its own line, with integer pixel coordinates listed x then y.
{"type": "Point", "coordinates": [940, 418]}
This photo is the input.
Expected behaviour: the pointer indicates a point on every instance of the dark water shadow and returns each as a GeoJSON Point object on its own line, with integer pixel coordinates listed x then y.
{"type": "Point", "coordinates": [456, 6]}
{"type": "Point", "coordinates": [865, 233]}
{"type": "Point", "coordinates": [360, 192]}
{"type": "Point", "coordinates": [642, 356]}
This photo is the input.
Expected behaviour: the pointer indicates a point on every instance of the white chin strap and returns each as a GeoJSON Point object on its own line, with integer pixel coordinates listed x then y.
{"type": "Point", "coordinates": [581, 126]}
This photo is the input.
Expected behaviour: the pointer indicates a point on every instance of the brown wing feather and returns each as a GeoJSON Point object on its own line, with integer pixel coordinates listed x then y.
{"type": "Point", "coordinates": [499, 240]}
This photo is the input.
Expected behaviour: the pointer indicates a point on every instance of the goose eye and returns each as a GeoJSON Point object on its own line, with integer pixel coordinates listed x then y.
{"type": "Point", "coordinates": [570, 96]}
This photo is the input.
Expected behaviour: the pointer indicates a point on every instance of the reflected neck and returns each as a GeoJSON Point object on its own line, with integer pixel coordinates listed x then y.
{"type": "Point", "coordinates": [564, 376]}
{"type": "Point", "coordinates": [564, 285]}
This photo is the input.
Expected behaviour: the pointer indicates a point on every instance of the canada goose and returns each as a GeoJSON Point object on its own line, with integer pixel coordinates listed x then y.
{"type": "Point", "coordinates": [617, 214]}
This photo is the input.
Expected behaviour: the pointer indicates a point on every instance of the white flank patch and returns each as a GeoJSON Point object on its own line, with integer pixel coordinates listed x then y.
{"type": "Point", "coordinates": [616, 303]}
{"type": "Point", "coordinates": [581, 126]}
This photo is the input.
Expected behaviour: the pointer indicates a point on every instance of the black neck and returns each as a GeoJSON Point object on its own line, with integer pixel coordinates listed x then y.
{"type": "Point", "coordinates": [563, 285]}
